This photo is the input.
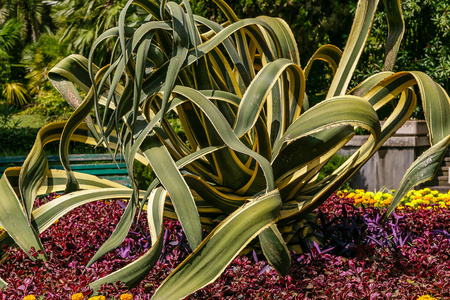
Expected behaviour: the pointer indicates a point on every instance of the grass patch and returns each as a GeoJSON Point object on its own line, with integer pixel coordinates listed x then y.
{"type": "Point", "coordinates": [32, 121]}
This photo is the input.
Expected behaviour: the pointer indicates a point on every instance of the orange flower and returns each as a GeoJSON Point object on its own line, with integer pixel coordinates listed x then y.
{"type": "Point", "coordinates": [359, 200]}
{"type": "Point", "coordinates": [126, 297]}
{"type": "Point", "coordinates": [78, 296]}
{"type": "Point", "coordinates": [29, 297]}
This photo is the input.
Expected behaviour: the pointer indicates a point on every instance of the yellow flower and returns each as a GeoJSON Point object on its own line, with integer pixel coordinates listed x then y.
{"type": "Point", "coordinates": [126, 297]}
{"type": "Point", "coordinates": [78, 296]}
{"type": "Point", "coordinates": [97, 298]}
{"type": "Point", "coordinates": [428, 197]}
{"type": "Point", "coordinates": [29, 297]}
{"type": "Point", "coordinates": [426, 297]}
{"type": "Point", "coordinates": [420, 199]}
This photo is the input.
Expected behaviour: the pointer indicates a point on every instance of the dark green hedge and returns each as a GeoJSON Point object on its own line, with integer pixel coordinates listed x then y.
{"type": "Point", "coordinates": [313, 22]}
{"type": "Point", "coordinates": [16, 141]}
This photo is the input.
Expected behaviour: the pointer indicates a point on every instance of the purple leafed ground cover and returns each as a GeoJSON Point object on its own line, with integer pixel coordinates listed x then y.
{"type": "Point", "coordinates": [359, 258]}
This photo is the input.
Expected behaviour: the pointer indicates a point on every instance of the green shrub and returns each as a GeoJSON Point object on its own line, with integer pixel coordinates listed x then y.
{"type": "Point", "coordinates": [6, 113]}
{"type": "Point", "coordinates": [16, 141]}
{"type": "Point", "coordinates": [143, 175]}
{"type": "Point", "coordinates": [50, 105]}
{"type": "Point", "coordinates": [335, 162]}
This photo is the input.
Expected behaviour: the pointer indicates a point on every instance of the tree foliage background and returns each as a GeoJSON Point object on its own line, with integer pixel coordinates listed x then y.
{"type": "Point", "coordinates": [36, 34]}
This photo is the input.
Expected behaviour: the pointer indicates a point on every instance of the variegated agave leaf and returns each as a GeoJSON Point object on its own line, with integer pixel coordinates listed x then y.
{"type": "Point", "coordinates": [253, 146]}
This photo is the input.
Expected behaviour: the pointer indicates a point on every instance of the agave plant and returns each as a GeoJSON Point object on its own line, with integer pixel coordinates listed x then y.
{"type": "Point", "coordinates": [253, 147]}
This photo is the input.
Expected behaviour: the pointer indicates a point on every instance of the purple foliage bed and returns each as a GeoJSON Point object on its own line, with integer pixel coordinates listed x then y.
{"type": "Point", "coordinates": [359, 258]}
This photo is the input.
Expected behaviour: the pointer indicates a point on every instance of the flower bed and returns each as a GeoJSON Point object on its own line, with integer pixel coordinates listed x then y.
{"type": "Point", "coordinates": [359, 257]}
{"type": "Point", "coordinates": [424, 198]}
